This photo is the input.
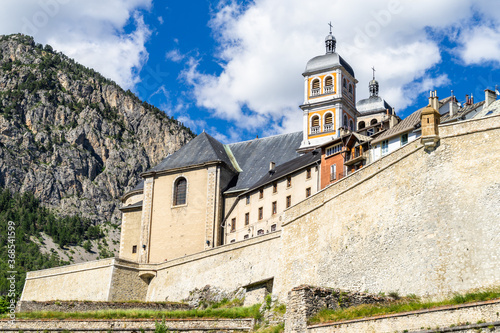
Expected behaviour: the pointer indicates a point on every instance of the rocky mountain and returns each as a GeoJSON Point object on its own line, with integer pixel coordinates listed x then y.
{"type": "Point", "coordinates": [72, 137]}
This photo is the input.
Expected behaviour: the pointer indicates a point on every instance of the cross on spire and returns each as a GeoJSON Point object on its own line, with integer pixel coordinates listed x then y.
{"type": "Point", "coordinates": [331, 26]}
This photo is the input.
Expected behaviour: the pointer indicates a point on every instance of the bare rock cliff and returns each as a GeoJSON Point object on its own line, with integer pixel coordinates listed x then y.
{"type": "Point", "coordinates": [70, 136]}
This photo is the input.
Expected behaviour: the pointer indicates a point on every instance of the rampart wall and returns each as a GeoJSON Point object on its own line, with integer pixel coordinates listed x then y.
{"type": "Point", "coordinates": [413, 222]}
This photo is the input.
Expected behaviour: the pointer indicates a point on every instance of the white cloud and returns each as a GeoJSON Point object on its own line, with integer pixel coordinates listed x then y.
{"type": "Point", "coordinates": [92, 32]}
{"type": "Point", "coordinates": [264, 47]}
{"type": "Point", "coordinates": [175, 55]}
{"type": "Point", "coordinates": [481, 44]}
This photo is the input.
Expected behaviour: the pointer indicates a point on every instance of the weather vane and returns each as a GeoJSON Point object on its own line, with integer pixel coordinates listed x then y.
{"type": "Point", "coordinates": [373, 69]}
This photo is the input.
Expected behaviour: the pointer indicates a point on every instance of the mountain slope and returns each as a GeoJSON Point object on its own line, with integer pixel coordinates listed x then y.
{"type": "Point", "coordinates": [73, 138]}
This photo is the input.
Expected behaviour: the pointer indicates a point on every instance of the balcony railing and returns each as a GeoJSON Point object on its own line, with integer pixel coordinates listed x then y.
{"type": "Point", "coordinates": [329, 90]}
{"type": "Point", "coordinates": [357, 156]}
{"type": "Point", "coordinates": [315, 91]}
{"type": "Point", "coordinates": [328, 127]}
{"type": "Point", "coordinates": [315, 130]}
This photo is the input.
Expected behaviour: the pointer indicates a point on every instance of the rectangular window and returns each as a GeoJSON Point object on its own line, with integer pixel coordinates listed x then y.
{"type": "Point", "coordinates": [404, 139]}
{"type": "Point", "coordinates": [288, 181]}
{"type": "Point", "coordinates": [308, 192]}
{"type": "Point", "coordinates": [248, 199]}
{"type": "Point", "coordinates": [275, 207]}
{"type": "Point", "coordinates": [333, 171]}
{"type": "Point", "coordinates": [261, 213]}
{"type": "Point", "coordinates": [288, 201]}
{"type": "Point", "coordinates": [247, 218]}
{"type": "Point", "coordinates": [333, 150]}
{"type": "Point", "coordinates": [385, 147]}
{"type": "Point", "coordinates": [261, 193]}
{"type": "Point", "coordinates": [275, 187]}
{"type": "Point", "coordinates": [233, 225]}
{"type": "Point", "coordinates": [308, 173]}
{"type": "Point", "coordinates": [273, 227]}
{"type": "Point", "coordinates": [134, 249]}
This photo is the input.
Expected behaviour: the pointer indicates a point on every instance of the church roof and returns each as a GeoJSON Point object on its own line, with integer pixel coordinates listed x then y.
{"type": "Point", "coordinates": [254, 156]}
{"type": "Point", "coordinates": [327, 61]}
{"type": "Point", "coordinates": [287, 168]}
{"type": "Point", "coordinates": [372, 104]}
{"type": "Point", "coordinates": [202, 149]}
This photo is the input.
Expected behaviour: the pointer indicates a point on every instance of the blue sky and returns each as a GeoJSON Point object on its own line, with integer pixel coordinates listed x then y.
{"type": "Point", "coordinates": [233, 68]}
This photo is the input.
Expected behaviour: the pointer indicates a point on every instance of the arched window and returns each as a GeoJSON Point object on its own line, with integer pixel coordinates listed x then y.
{"type": "Point", "coordinates": [345, 121]}
{"type": "Point", "coordinates": [345, 83]}
{"type": "Point", "coordinates": [180, 187]}
{"type": "Point", "coordinates": [315, 121]}
{"type": "Point", "coordinates": [350, 88]}
{"type": "Point", "coordinates": [315, 125]}
{"type": "Point", "coordinates": [373, 121]}
{"type": "Point", "coordinates": [315, 87]}
{"type": "Point", "coordinates": [351, 125]}
{"type": "Point", "coordinates": [329, 85]}
{"type": "Point", "coordinates": [328, 118]}
{"type": "Point", "coordinates": [361, 125]}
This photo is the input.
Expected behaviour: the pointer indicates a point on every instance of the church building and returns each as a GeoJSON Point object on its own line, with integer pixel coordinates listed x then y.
{"type": "Point", "coordinates": [208, 194]}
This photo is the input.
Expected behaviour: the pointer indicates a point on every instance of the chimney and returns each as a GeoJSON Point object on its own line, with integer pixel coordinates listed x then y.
{"type": "Point", "coordinates": [272, 165]}
{"type": "Point", "coordinates": [434, 100]}
{"type": "Point", "coordinates": [453, 106]}
{"type": "Point", "coordinates": [489, 97]}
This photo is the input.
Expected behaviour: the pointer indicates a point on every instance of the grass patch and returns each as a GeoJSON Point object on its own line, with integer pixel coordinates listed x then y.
{"type": "Point", "coordinates": [403, 304]}
{"type": "Point", "coordinates": [236, 312]}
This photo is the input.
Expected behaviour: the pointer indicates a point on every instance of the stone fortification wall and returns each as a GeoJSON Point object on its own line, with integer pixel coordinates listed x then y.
{"type": "Point", "coordinates": [304, 302]}
{"type": "Point", "coordinates": [89, 281]}
{"type": "Point", "coordinates": [126, 325]}
{"type": "Point", "coordinates": [414, 221]}
{"type": "Point", "coordinates": [79, 306]}
{"type": "Point", "coordinates": [476, 317]}
{"type": "Point", "coordinates": [228, 267]}
{"type": "Point", "coordinates": [99, 281]}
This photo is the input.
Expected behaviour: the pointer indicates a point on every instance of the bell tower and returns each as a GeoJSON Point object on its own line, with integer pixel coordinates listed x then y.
{"type": "Point", "coordinates": [329, 97]}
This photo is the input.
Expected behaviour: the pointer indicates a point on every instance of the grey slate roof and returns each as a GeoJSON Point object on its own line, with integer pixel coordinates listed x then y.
{"type": "Point", "coordinates": [202, 149]}
{"type": "Point", "coordinates": [139, 186]}
{"type": "Point", "coordinates": [462, 112]}
{"type": "Point", "coordinates": [409, 123]}
{"type": "Point", "coordinates": [254, 156]}
{"type": "Point", "coordinates": [491, 110]}
{"type": "Point", "coordinates": [288, 168]}
{"type": "Point", "coordinates": [372, 104]}
{"type": "Point", "coordinates": [327, 61]}
{"type": "Point", "coordinates": [135, 205]}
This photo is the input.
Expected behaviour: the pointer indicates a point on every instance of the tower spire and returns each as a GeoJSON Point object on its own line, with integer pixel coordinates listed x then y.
{"type": "Point", "coordinates": [330, 41]}
{"type": "Point", "coordinates": [373, 86]}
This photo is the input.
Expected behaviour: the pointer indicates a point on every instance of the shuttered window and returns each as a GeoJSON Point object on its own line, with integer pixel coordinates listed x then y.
{"type": "Point", "coordinates": [329, 81]}
{"type": "Point", "coordinates": [316, 84]}
{"type": "Point", "coordinates": [315, 121]}
{"type": "Point", "coordinates": [328, 118]}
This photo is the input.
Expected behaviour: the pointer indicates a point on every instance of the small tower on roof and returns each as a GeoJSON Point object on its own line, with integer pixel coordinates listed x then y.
{"type": "Point", "coordinates": [329, 97]}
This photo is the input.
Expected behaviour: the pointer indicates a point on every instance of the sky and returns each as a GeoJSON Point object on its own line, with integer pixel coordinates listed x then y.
{"type": "Point", "coordinates": [233, 68]}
